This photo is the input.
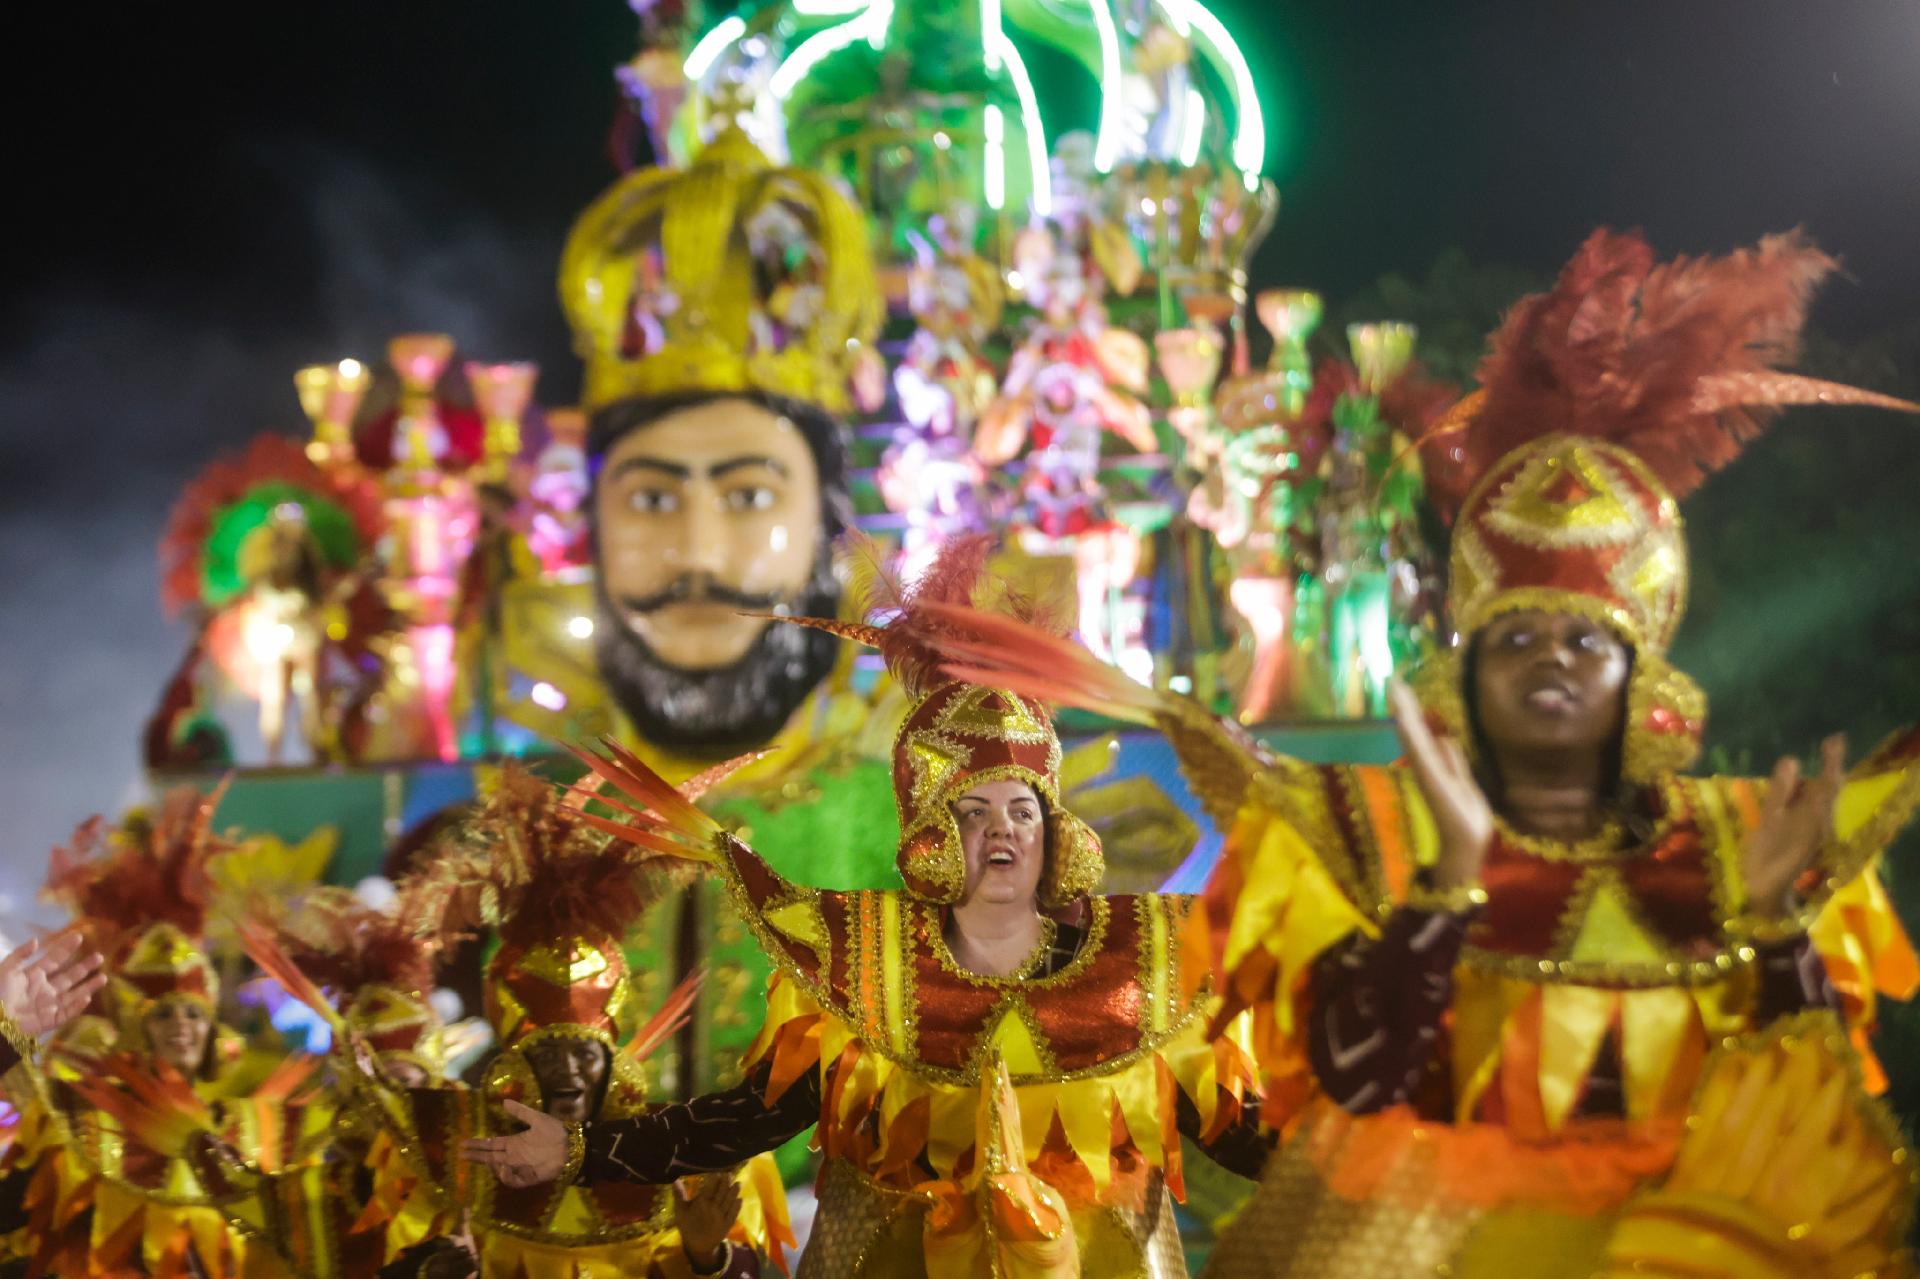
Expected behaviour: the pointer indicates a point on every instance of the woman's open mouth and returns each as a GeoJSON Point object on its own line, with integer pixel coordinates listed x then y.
{"type": "Point", "coordinates": [1551, 699]}
{"type": "Point", "coordinates": [1000, 857]}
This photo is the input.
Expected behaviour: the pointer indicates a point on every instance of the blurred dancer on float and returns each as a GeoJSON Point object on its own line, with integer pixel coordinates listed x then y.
{"type": "Point", "coordinates": [560, 894]}
{"type": "Point", "coordinates": [113, 1123]}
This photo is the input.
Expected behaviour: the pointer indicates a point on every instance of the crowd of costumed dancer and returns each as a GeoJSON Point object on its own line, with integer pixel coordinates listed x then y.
{"type": "Point", "coordinates": [1533, 1001]}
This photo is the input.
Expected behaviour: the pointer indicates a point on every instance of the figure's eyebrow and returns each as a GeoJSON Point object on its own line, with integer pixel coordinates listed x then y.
{"type": "Point", "coordinates": [739, 463]}
{"type": "Point", "coordinates": [681, 471]}
{"type": "Point", "coordinates": [676, 470]}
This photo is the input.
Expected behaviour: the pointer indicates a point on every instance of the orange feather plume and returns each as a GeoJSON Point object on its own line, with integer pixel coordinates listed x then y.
{"type": "Point", "coordinates": [1005, 652]}
{"type": "Point", "coordinates": [156, 1107]}
{"type": "Point", "coordinates": [922, 616]}
{"type": "Point", "coordinates": [669, 1019]}
{"type": "Point", "coordinates": [264, 949]}
{"type": "Point", "coordinates": [661, 820]}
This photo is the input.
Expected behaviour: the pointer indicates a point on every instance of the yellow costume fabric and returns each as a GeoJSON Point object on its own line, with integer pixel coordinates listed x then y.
{"type": "Point", "coordinates": [1322, 852]}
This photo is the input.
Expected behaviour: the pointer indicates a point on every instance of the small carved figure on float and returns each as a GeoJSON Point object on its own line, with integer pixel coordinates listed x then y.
{"type": "Point", "coordinates": [930, 475]}
{"type": "Point", "coordinates": [1074, 380]}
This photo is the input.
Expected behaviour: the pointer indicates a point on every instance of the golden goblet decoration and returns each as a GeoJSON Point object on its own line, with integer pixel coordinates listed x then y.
{"type": "Point", "coordinates": [502, 393]}
{"type": "Point", "coordinates": [420, 359]}
{"type": "Point", "coordinates": [1381, 352]}
{"type": "Point", "coordinates": [1189, 361]}
{"type": "Point", "coordinates": [330, 395]}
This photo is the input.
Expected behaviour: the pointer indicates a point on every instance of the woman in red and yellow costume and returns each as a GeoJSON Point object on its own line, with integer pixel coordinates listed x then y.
{"type": "Point", "coordinates": [1496, 984]}
{"type": "Point", "coordinates": [560, 895]}
{"type": "Point", "coordinates": [108, 1125]}
{"type": "Point", "coordinates": [1001, 1062]}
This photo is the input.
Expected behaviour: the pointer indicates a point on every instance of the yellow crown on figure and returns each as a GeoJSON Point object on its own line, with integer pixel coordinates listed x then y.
{"type": "Point", "coordinates": [728, 275]}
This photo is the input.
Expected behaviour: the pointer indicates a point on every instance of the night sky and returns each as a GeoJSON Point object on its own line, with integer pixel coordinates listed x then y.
{"type": "Point", "coordinates": [214, 194]}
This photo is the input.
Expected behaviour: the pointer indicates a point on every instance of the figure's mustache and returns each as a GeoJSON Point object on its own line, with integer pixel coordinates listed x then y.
{"type": "Point", "coordinates": [694, 588]}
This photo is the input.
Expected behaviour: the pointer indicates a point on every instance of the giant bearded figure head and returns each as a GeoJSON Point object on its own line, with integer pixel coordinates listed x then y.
{"type": "Point", "coordinates": [724, 311]}
{"type": "Point", "coordinates": [712, 514]}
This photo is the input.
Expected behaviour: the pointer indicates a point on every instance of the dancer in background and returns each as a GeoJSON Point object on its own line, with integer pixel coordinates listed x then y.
{"type": "Point", "coordinates": [560, 894]}
{"type": "Point", "coordinates": [367, 1202]}
{"type": "Point", "coordinates": [112, 1123]}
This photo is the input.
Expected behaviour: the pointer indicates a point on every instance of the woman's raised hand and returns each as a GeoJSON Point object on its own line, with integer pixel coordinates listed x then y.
{"type": "Point", "coordinates": [46, 983]}
{"type": "Point", "coordinates": [1796, 821]}
{"type": "Point", "coordinates": [1461, 812]}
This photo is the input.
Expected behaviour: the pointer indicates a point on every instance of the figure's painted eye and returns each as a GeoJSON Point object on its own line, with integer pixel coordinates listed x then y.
{"type": "Point", "coordinates": [757, 497]}
{"type": "Point", "coordinates": [649, 501]}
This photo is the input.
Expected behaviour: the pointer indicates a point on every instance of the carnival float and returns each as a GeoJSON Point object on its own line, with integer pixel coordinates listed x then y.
{"type": "Point", "coordinates": [498, 801]}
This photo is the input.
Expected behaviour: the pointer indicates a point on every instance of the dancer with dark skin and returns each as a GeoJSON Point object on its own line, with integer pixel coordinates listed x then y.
{"type": "Point", "coordinates": [1548, 701]}
{"type": "Point", "coordinates": [1548, 704]}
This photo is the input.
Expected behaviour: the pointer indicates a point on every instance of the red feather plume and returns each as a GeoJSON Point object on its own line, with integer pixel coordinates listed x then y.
{"type": "Point", "coordinates": [342, 943]}
{"type": "Point", "coordinates": [1674, 362]}
{"type": "Point", "coordinates": [923, 616]}
{"type": "Point", "coordinates": [531, 865]}
{"type": "Point", "coordinates": [152, 869]}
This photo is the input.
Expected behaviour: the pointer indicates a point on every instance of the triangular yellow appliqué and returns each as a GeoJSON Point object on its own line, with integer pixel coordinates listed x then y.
{"type": "Point", "coordinates": [1609, 932]}
{"type": "Point", "coordinates": [179, 1182]}
{"type": "Point", "coordinates": [932, 766]}
{"type": "Point", "coordinates": [1013, 1040]}
{"type": "Point", "coordinates": [574, 1214]}
{"type": "Point", "coordinates": [989, 713]}
{"type": "Point", "coordinates": [1567, 497]}
{"type": "Point", "coordinates": [801, 921]}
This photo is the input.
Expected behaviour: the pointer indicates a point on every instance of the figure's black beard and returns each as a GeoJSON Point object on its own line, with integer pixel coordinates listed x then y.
{"type": "Point", "coordinates": [730, 709]}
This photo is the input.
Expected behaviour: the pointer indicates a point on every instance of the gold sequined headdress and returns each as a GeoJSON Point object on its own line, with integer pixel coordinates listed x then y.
{"type": "Point", "coordinates": [960, 734]}
{"type": "Point", "coordinates": [561, 896]}
{"type": "Point", "coordinates": [1602, 403]}
{"type": "Point", "coordinates": [730, 275]}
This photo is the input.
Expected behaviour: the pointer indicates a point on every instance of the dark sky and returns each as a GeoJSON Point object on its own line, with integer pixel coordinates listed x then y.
{"type": "Point", "coordinates": [215, 193]}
